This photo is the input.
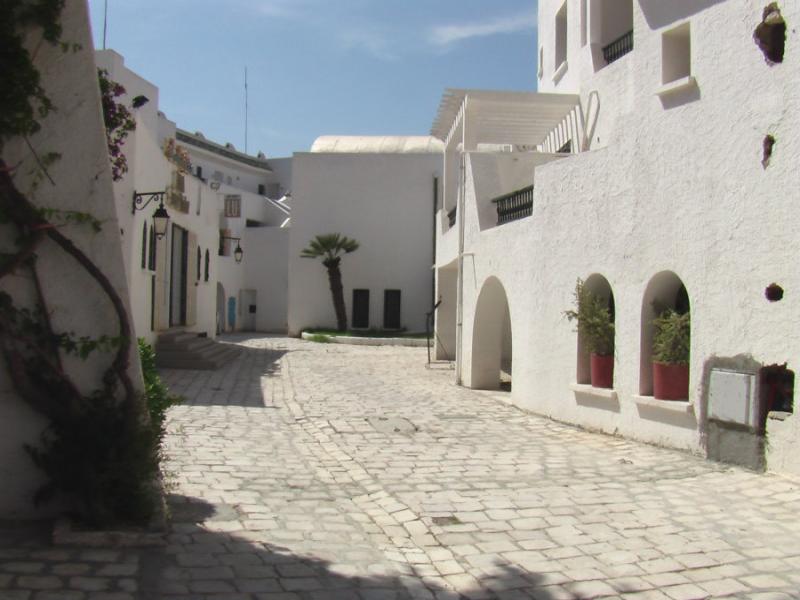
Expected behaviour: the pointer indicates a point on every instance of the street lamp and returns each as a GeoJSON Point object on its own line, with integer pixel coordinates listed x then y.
{"type": "Point", "coordinates": [160, 216]}
{"type": "Point", "coordinates": [238, 253]}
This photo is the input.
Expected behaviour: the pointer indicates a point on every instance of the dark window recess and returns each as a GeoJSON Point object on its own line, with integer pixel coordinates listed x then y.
{"type": "Point", "coordinates": [451, 216]}
{"type": "Point", "coordinates": [391, 309]}
{"type": "Point", "coordinates": [152, 303]}
{"type": "Point", "coordinates": [360, 318]}
{"type": "Point", "coordinates": [262, 189]}
{"type": "Point", "coordinates": [777, 389]}
{"type": "Point", "coordinates": [199, 172]}
{"type": "Point", "coordinates": [513, 206]}
{"type": "Point", "coordinates": [618, 48]}
{"type": "Point", "coordinates": [151, 258]}
{"type": "Point", "coordinates": [252, 309]}
{"type": "Point", "coordinates": [208, 261]}
{"type": "Point", "coordinates": [144, 245]}
{"type": "Point", "coordinates": [566, 148]}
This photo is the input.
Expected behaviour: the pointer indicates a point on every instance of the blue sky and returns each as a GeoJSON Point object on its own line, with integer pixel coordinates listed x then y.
{"type": "Point", "coordinates": [318, 67]}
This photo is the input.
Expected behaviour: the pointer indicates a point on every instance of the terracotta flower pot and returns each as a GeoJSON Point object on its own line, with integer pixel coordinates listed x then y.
{"type": "Point", "coordinates": [602, 370]}
{"type": "Point", "coordinates": [670, 382]}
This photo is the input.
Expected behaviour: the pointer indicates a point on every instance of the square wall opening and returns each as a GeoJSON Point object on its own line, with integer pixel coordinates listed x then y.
{"type": "Point", "coordinates": [676, 54]}
{"type": "Point", "coordinates": [561, 36]}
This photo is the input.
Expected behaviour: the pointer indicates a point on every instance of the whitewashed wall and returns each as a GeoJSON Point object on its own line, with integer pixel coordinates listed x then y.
{"type": "Point", "coordinates": [385, 201]}
{"type": "Point", "coordinates": [267, 273]}
{"type": "Point", "coordinates": [83, 183]}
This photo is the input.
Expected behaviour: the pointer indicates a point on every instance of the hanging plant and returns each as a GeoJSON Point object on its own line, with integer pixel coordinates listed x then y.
{"type": "Point", "coordinates": [118, 120]}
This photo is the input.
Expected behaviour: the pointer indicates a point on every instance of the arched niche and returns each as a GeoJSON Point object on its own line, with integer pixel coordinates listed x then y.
{"type": "Point", "coordinates": [665, 291]}
{"type": "Point", "coordinates": [599, 286]}
{"type": "Point", "coordinates": [491, 339]}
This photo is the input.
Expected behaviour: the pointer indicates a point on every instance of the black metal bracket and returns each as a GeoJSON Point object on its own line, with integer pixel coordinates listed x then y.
{"type": "Point", "coordinates": [139, 200]}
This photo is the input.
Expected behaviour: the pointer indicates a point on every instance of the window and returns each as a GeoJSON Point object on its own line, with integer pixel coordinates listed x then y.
{"type": "Point", "coordinates": [584, 22]}
{"type": "Point", "coordinates": [262, 189]}
{"type": "Point", "coordinates": [561, 37]}
{"type": "Point", "coordinates": [224, 242]}
{"type": "Point", "coordinates": [610, 26]}
{"type": "Point", "coordinates": [199, 172]}
{"type": "Point", "coordinates": [151, 258]}
{"type": "Point", "coordinates": [676, 54]}
{"type": "Point", "coordinates": [208, 262]}
{"type": "Point", "coordinates": [391, 309]}
{"type": "Point", "coordinates": [233, 206]}
{"type": "Point", "coordinates": [199, 260]}
{"type": "Point", "coordinates": [144, 245]}
{"type": "Point", "coordinates": [217, 176]}
{"type": "Point", "coordinates": [360, 319]}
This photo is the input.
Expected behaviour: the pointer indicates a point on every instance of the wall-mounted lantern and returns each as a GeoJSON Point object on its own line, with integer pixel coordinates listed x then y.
{"type": "Point", "coordinates": [160, 216]}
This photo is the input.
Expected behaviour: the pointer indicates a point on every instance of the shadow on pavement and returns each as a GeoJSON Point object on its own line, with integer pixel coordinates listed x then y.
{"type": "Point", "coordinates": [237, 383]}
{"type": "Point", "coordinates": [202, 561]}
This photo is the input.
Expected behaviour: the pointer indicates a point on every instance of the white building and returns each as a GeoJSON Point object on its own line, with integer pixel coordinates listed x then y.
{"type": "Point", "coordinates": [658, 163]}
{"type": "Point", "coordinates": [382, 192]}
{"type": "Point", "coordinates": [217, 201]}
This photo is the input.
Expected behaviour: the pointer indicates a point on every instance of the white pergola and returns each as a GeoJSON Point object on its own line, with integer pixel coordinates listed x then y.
{"type": "Point", "coordinates": [500, 117]}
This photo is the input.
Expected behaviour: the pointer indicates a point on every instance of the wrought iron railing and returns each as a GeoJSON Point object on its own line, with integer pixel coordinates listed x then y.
{"type": "Point", "coordinates": [451, 217]}
{"type": "Point", "coordinates": [513, 206]}
{"type": "Point", "coordinates": [618, 48]}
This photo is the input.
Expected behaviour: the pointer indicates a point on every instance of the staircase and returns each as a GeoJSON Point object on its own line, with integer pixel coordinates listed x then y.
{"type": "Point", "coordinates": [181, 350]}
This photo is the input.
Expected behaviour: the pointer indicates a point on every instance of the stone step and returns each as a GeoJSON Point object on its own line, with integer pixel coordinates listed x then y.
{"type": "Point", "coordinates": [182, 350]}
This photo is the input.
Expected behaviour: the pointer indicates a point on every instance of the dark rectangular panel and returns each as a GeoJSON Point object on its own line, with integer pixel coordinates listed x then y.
{"type": "Point", "coordinates": [391, 309]}
{"type": "Point", "coordinates": [360, 318]}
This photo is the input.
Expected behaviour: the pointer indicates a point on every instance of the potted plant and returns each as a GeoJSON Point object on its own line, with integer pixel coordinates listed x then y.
{"type": "Point", "coordinates": [596, 328]}
{"type": "Point", "coordinates": [671, 355]}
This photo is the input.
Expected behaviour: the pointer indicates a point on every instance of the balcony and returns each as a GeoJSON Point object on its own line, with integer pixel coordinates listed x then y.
{"type": "Point", "coordinates": [513, 206]}
{"type": "Point", "coordinates": [618, 48]}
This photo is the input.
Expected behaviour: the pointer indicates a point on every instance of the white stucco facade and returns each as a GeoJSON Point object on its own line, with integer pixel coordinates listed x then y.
{"type": "Point", "coordinates": [381, 192]}
{"type": "Point", "coordinates": [663, 182]}
{"type": "Point", "coordinates": [222, 193]}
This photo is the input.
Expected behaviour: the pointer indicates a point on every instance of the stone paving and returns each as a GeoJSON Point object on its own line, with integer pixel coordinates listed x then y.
{"type": "Point", "coordinates": [310, 471]}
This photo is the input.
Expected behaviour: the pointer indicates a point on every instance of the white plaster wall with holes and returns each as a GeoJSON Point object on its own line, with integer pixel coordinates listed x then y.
{"type": "Point", "coordinates": [669, 178]}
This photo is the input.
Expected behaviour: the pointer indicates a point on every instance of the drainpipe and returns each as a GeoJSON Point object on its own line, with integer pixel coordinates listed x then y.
{"type": "Point", "coordinates": [460, 212]}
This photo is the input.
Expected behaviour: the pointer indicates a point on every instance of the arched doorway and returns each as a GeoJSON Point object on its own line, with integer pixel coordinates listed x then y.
{"type": "Point", "coordinates": [491, 339]}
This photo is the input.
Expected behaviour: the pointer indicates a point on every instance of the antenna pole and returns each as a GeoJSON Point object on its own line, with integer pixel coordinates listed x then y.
{"type": "Point", "coordinates": [245, 110]}
{"type": "Point", "coordinates": [105, 23]}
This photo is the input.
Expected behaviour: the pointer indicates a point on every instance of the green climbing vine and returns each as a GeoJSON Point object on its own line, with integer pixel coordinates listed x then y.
{"type": "Point", "coordinates": [100, 450]}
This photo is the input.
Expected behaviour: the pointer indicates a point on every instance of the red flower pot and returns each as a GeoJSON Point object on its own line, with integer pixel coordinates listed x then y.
{"type": "Point", "coordinates": [670, 382]}
{"type": "Point", "coordinates": [602, 369]}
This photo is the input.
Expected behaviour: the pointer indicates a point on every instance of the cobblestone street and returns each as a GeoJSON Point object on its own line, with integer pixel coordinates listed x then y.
{"type": "Point", "coordinates": [307, 471]}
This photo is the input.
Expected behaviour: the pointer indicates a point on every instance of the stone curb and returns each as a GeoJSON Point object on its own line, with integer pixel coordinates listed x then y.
{"type": "Point", "coordinates": [368, 341]}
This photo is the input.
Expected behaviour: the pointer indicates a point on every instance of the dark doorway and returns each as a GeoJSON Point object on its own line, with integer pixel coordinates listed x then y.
{"type": "Point", "coordinates": [178, 273]}
{"type": "Point", "coordinates": [391, 309]}
{"type": "Point", "coordinates": [360, 309]}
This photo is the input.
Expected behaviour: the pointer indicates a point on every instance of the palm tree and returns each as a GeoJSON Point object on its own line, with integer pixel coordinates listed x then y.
{"type": "Point", "coordinates": [330, 246]}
